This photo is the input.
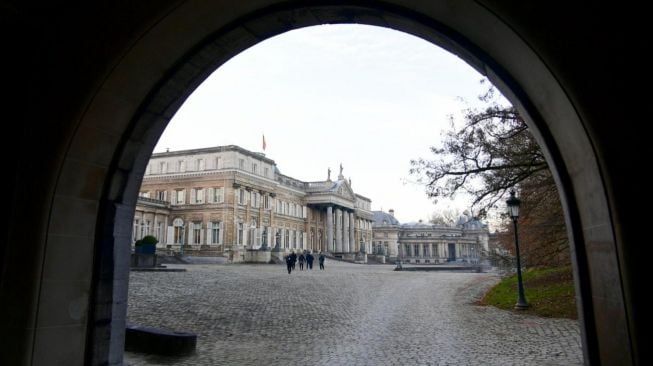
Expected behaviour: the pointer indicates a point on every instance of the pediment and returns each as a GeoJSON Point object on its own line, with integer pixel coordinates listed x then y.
{"type": "Point", "coordinates": [344, 190]}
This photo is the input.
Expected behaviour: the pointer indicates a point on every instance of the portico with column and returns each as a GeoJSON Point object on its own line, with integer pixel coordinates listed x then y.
{"type": "Point", "coordinates": [344, 211]}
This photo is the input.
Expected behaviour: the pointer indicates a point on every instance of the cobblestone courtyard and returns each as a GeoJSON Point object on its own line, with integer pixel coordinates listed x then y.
{"type": "Point", "coordinates": [346, 315]}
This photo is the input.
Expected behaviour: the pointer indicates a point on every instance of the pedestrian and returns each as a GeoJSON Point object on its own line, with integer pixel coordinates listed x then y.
{"type": "Point", "coordinates": [309, 260]}
{"type": "Point", "coordinates": [321, 258]}
{"type": "Point", "coordinates": [293, 255]}
{"type": "Point", "coordinates": [289, 263]}
{"type": "Point", "coordinates": [301, 260]}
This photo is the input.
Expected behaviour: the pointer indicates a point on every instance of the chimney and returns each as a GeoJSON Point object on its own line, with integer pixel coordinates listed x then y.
{"type": "Point", "coordinates": [391, 212]}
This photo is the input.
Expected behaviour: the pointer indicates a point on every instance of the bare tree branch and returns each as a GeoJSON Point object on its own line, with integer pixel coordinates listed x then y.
{"type": "Point", "coordinates": [492, 153]}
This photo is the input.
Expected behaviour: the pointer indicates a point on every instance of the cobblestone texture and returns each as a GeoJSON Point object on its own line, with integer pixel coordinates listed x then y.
{"type": "Point", "coordinates": [346, 315]}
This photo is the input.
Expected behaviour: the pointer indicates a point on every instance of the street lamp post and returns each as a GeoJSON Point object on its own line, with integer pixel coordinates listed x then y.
{"type": "Point", "coordinates": [513, 209]}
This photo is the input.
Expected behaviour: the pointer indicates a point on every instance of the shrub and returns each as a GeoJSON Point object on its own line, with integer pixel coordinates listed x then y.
{"type": "Point", "coordinates": [148, 239]}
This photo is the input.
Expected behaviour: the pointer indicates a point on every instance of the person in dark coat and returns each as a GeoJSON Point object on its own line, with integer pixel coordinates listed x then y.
{"type": "Point", "coordinates": [301, 260]}
{"type": "Point", "coordinates": [309, 260]}
{"type": "Point", "coordinates": [289, 263]}
{"type": "Point", "coordinates": [321, 259]}
{"type": "Point", "coordinates": [293, 255]}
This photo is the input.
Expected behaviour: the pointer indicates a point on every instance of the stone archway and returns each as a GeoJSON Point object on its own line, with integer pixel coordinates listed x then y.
{"type": "Point", "coordinates": [172, 49]}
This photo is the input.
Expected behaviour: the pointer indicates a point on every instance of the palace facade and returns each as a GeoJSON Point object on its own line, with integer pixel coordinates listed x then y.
{"type": "Point", "coordinates": [226, 199]}
{"type": "Point", "coordinates": [466, 241]}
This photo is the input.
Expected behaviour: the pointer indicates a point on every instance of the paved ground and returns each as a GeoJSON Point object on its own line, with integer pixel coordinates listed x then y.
{"type": "Point", "coordinates": [347, 315]}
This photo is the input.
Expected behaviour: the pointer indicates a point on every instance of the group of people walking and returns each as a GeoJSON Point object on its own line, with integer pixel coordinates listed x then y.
{"type": "Point", "coordinates": [303, 257]}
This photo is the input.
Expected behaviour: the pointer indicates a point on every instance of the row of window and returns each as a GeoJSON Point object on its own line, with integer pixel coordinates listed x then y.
{"type": "Point", "coordinates": [143, 228]}
{"type": "Point", "coordinates": [250, 234]}
{"type": "Point", "coordinates": [200, 164]}
{"type": "Point", "coordinates": [431, 250]}
{"type": "Point", "coordinates": [214, 233]}
{"type": "Point", "coordinates": [245, 235]}
{"type": "Point", "coordinates": [216, 195]}
{"type": "Point", "coordinates": [197, 195]}
{"type": "Point", "coordinates": [256, 200]}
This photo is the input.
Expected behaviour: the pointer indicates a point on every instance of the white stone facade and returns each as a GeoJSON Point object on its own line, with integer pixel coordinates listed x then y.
{"type": "Point", "coordinates": [464, 242]}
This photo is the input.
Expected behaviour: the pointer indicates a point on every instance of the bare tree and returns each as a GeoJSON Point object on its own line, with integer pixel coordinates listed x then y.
{"type": "Point", "coordinates": [492, 153]}
{"type": "Point", "coordinates": [446, 217]}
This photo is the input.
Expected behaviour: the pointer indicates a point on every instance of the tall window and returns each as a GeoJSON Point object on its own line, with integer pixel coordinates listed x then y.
{"type": "Point", "coordinates": [146, 228]}
{"type": "Point", "coordinates": [178, 196]}
{"type": "Point", "coordinates": [287, 238]}
{"type": "Point", "coordinates": [137, 225]}
{"type": "Point", "coordinates": [218, 163]}
{"type": "Point", "coordinates": [163, 167]}
{"type": "Point", "coordinates": [241, 196]}
{"type": "Point", "coordinates": [254, 199]}
{"type": "Point", "coordinates": [197, 233]}
{"type": "Point", "coordinates": [142, 230]}
{"type": "Point", "coordinates": [254, 238]}
{"type": "Point", "coordinates": [199, 164]}
{"type": "Point", "coordinates": [293, 236]}
{"type": "Point", "coordinates": [178, 235]}
{"type": "Point", "coordinates": [161, 195]}
{"type": "Point", "coordinates": [266, 171]}
{"type": "Point", "coordinates": [241, 164]}
{"type": "Point", "coordinates": [215, 232]}
{"type": "Point", "coordinates": [197, 195]}
{"type": "Point", "coordinates": [181, 167]}
{"type": "Point", "coordinates": [216, 195]}
{"type": "Point", "coordinates": [254, 168]}
{"type": "Point", "coordinates": [266, 202]}
{"type": "Point", "coordinates": [239, 239]}
{"type": "Point", "coordinates": [158, 229]}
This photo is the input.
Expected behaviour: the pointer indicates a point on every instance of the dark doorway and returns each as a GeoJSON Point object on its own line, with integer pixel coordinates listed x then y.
{"type": "Point", "coordinates": [452, 252]}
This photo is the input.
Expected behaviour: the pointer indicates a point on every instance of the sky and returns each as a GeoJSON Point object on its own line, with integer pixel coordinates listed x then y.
{"type": "Point", "coordinates": [366, 97]}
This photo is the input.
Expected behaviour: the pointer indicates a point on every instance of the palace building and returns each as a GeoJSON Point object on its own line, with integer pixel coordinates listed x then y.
{"type": "Point", "coordinates": [229, 201]}
{"type": "Point", "coordinates": [466, 241]}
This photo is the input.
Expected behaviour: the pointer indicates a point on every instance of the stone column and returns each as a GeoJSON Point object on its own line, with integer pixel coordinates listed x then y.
{"type": "Point", "coordinates": [338, 230]}
{"type": "Point", "coordinates": [352, 237]}
{"type": "Point", "coordinates": [345, 232]}
{"type": "Point", "coordinates": [329, 228]}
